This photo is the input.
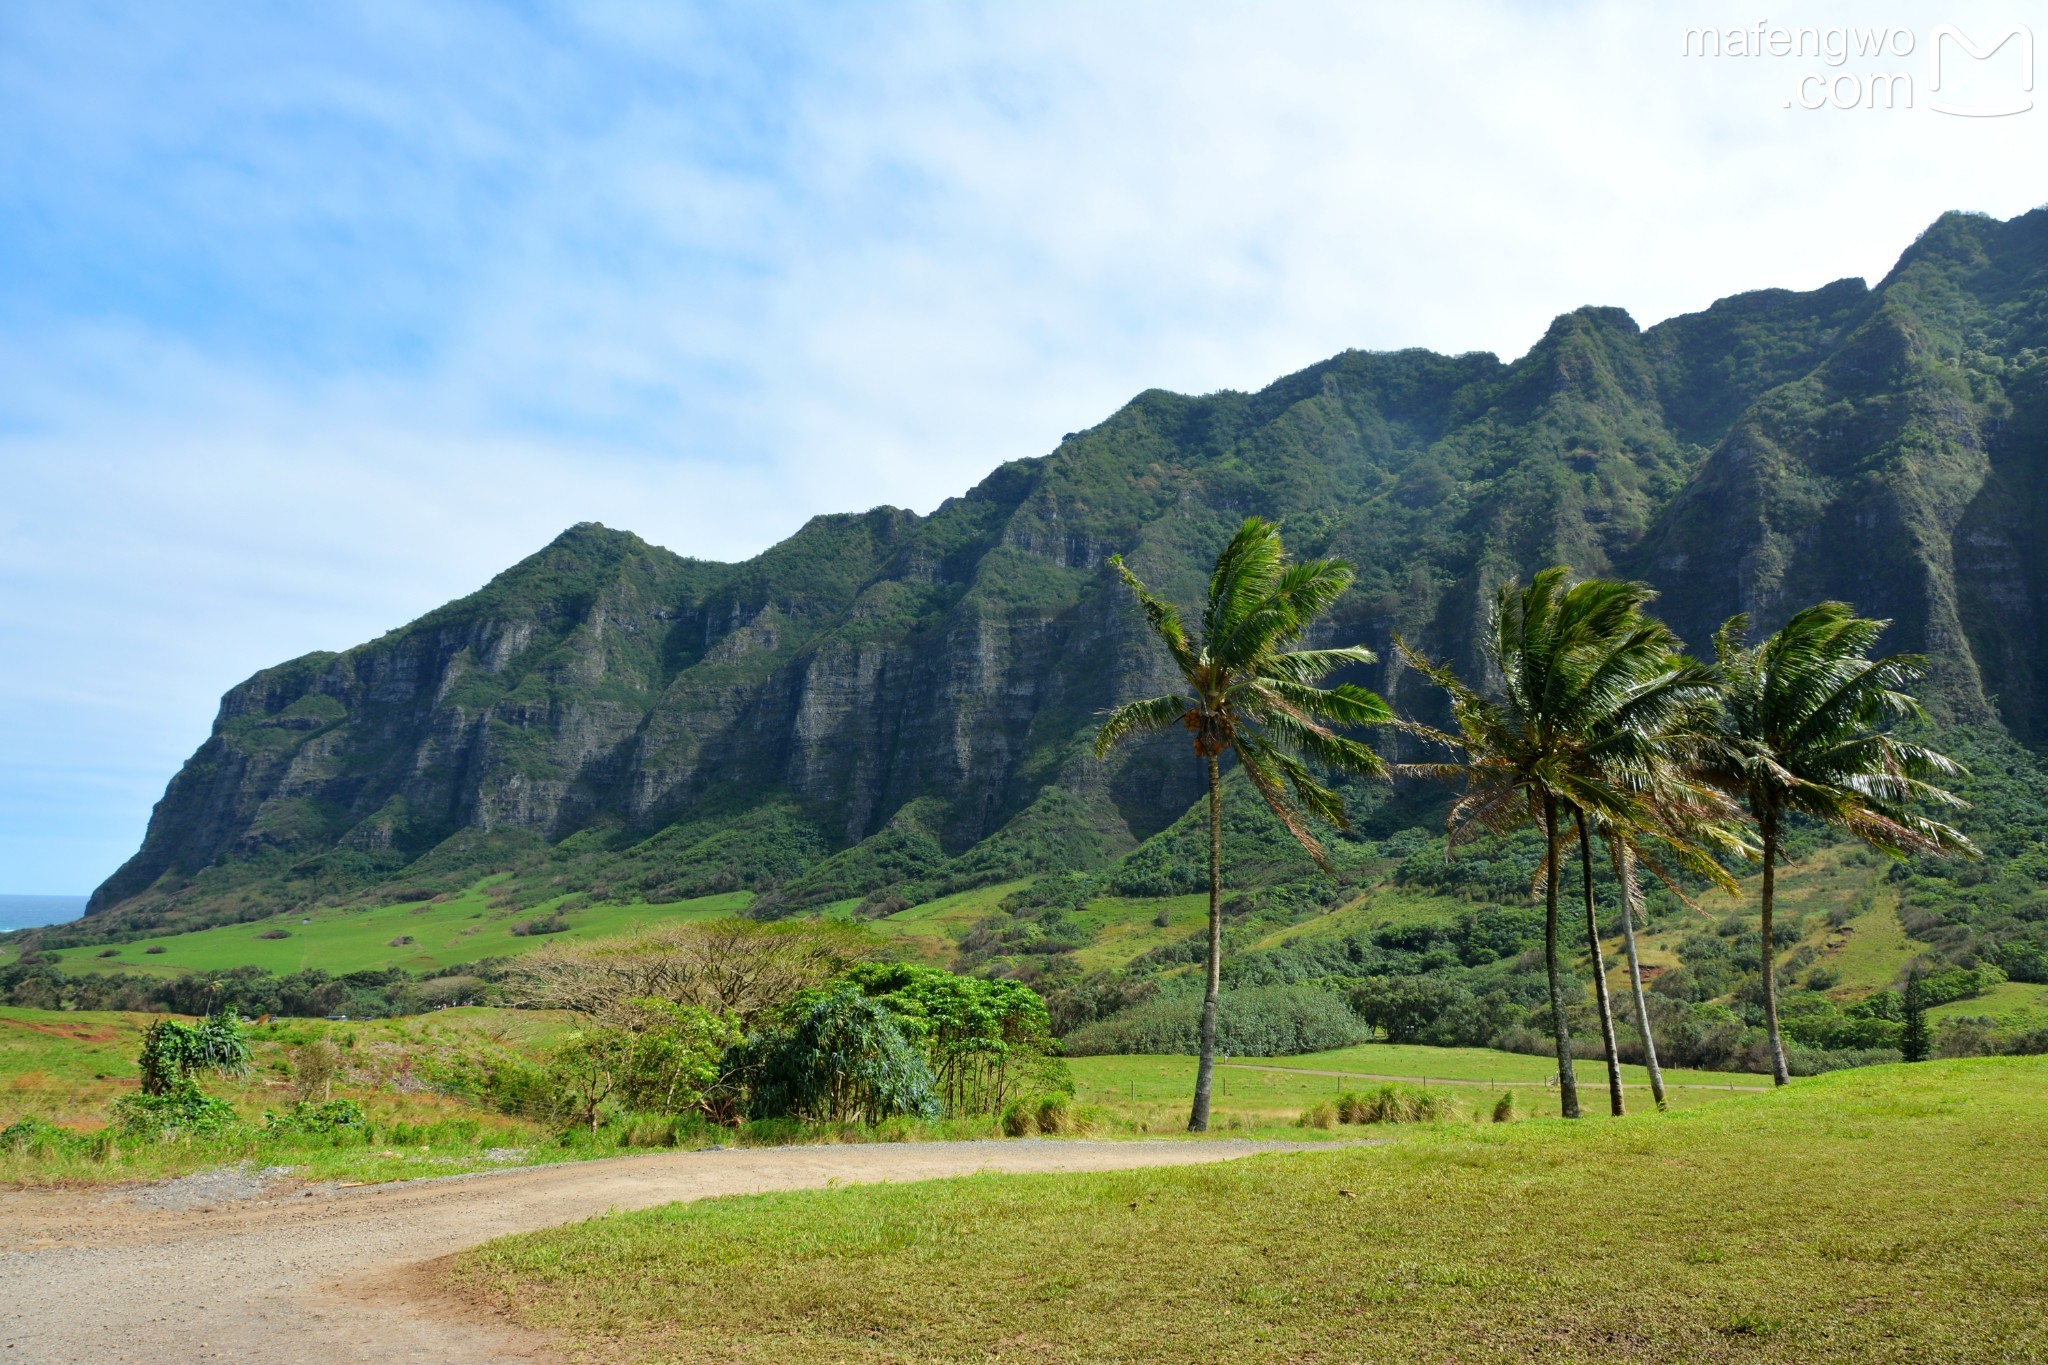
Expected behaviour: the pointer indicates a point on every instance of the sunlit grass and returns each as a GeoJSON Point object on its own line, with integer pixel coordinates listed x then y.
{"type": "Point", "coordinates": [1885, 1214]}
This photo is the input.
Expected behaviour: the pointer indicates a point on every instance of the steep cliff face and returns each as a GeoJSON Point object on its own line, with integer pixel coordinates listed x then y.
{"type": "Point", "coordinates": [886, 698]}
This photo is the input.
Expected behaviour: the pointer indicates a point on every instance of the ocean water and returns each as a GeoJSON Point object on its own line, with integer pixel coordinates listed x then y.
{"type": "Point", "coordinates": [28, 912]}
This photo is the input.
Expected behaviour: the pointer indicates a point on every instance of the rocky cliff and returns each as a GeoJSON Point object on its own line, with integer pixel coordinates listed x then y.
{"type": "Point", "coordinates": [886, 698]}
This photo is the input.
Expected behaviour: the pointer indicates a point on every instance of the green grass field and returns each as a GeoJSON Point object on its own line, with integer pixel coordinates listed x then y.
{"type": "Point", "coordinates": [2009, 1000]}
{"type": "Point", "coordinates": [442, 934]}
{"type": "Point", "coordinates": [1152, 1093]}
{"type": "Point", "coordinates": [1890, 1214]}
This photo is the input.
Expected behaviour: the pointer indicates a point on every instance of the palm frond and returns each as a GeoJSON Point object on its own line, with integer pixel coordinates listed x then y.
{"type": "Point", "coordinates": [1139, 717]}
{"type": "Point", "coordinates": [1164, 618]}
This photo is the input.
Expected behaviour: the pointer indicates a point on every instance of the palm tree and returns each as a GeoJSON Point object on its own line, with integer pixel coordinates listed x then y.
{"type": "Point", "coordinates": [1804, 712]}
{"type": "Point", "coordinates": [1590, 685]}
{"type": "Point", "coordinates": [1246, 694]}
{"type": "Point", "coordinates": [1686, 814]}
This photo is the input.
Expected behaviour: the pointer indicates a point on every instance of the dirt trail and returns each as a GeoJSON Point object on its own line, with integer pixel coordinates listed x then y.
{"type": "Point", "coordinates": [332, 1273]}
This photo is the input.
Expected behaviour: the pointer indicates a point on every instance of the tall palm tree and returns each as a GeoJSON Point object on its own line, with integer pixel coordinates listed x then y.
{"type": "Point", "coordinates": [1686, 816]}
{"type": "Point", "coordinates": [1804, 712]}
{"type": "Point", "coordinates": [1249, 695]}
{"type": "Point", "coordinates": [1589, 684]}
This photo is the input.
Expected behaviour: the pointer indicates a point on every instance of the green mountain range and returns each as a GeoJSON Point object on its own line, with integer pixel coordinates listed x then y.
{"type": "Point", "coordinates": [887, 708]}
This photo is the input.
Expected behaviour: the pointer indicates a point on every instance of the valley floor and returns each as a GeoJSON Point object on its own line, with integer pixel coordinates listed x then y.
{"type": "Point", "coordinates": [326, 1273]}
{"type": "Point", "coordinates": [1892, 1213]}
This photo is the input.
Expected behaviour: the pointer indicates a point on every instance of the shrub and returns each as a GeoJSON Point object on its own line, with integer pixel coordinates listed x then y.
{"type": "Point", "coordinates": [275, 933]}
{"type": "Point", "coordinates": [31, 1134]}
{"type": "Point", "coordinates": [1321, 1114]}
{"type": "Point", "coordinates": [1393, 1104]}
{"type": "Point", "coordinates": [402, 941]}
{"type": "Point", "coordinates": [182, 1111]}
{"type": "Point", "coordinates": [842, 1059]}
{"type": "Point", "coordinates": [314, 1066]}
{"type": "Point", "coordinates": [1504, 1107]}
{"type": "Point", "coordinates": [172, 1051]}
{"type": "Point", "coordinates": [546, 924]}
{"type": "Point", "coordinates": [1965, 1036]}
{"type": "Point", "coordinates": [1267, 1021]}
{"type": "Point", "coordinates": [108, 952]}
{"type": "Point", "coordinates": [986, 1041]}
{"type": "Point", "coordinates": [658, 1057]}
{"type": "Point", "coordinates": [329, 1119]}
{"type": "Point", "coordinates": [154, 948]}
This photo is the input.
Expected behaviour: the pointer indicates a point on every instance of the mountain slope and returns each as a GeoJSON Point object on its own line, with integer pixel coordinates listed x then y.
{"type": "Point", "coordinates": [886, 699]}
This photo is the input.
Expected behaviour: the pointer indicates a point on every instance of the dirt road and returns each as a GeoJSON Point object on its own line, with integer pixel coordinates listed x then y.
{"type": "Point", "coordinates": [325, 1274]}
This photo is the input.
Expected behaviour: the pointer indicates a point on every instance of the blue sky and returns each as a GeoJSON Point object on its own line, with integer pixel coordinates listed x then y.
{"type": "Point", "coordinates": [312, 318]}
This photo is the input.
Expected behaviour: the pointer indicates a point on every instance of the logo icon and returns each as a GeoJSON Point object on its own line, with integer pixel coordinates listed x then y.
{"type": "Point", "coordinates": [1984, 54]}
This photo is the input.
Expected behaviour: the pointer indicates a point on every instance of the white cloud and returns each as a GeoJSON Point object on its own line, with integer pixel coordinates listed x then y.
{"type": "Point", "coordinates": [333, 323]}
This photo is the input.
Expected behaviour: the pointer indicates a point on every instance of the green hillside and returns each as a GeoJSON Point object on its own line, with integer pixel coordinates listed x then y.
{"type": "Point", "coordinates": [888, 709]}
{"type": "Point", "coordinates": [422, 937]}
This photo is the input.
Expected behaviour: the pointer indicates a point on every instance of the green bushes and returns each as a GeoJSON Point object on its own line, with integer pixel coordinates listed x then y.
{"type": "Point", "coordinates": [987, 1042]}
{"type": "Point", "coordinates": [171, 1051]}
{"type": "Point", "coordinates": [183, 1111]}
{"type": "Point", "coordinates": [334, 1120]}
{"type": "Point", "coordinates": [1391, 1104]}
{"type": "Point", "coordinates": [1048, 1114]}
{"type": "Point", "coordinates": [1276, 1021]}
{"type": "Point", "coordinates": [658, 1057]}
{"type": "Point", "coordinates": [840, 1059]}
{"type": "Point", "coordinates": [34, 1135]}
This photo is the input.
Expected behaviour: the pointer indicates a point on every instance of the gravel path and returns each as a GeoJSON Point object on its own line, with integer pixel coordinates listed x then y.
{"type": "Point", "coordinates": [252, 1266]}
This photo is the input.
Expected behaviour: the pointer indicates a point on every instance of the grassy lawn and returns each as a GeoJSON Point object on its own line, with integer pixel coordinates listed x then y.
{"type": "Point", "coordinates": [1151, 1093]}
{"type": "Point", "coordinates": [1874, 950]}
{"type": "Point", "coordinates": [441, 933]}
{"type": "Point", "coordinates": [1892, 1214]}
{"type": "Point", "coordinates": [2009, 999]}
{"type": "Point", "coordinates": [934, 929]}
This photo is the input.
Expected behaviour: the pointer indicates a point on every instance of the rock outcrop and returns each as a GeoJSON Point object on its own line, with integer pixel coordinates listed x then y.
{"type": "Point", "coordinates": [886, 697]}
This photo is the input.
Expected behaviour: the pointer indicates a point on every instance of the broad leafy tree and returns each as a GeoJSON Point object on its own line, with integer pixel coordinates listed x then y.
{"type": "Point", "coordinates": [1246, 693]}
{"type": "Point", "coordinates": [1804, 731]}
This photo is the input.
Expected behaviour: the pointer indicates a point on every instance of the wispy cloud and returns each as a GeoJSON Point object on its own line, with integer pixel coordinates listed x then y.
{"type": "Point", "coordinates": [310, 320]}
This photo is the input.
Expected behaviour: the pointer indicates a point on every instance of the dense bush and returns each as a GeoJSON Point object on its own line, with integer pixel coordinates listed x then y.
{"type": "Point", "coordinates": [1428, 1009]}
{"type": "Point", "coordinates": [342, 1120]}
{"type": "Point", "coordinates": [250, 991]}
{"type": "Point", "coordinates": [1266, 1022]}
{"type": "Point", "coordinates": [988, 1043]}
{"type": "Point", "coordinates": [171, 1051]}
{"type": "Point", "coordinates": [841, 1058]}
{"type": "Point", "coordinates": [183, 1111]}
{"type": "Point", "coordinates": [654, 1056]}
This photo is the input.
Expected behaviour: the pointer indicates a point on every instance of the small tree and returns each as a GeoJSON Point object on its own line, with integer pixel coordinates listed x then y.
{"type": "Point", "coordinates": [1915, 1043]}
{"type": "Point", "coordinates": [988, 1042]}
{"type": "Point", "coordinates": [172, 1051]}
{"type": "Point", "coordinates": [842, 1059]}
{"type": "Point", "coordinates": [657, 1057]}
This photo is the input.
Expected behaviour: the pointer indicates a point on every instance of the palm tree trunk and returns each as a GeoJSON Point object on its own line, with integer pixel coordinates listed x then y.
{"type": "Point", "coordinates": [1780, 1072]}
{"type": "Point", "coordinates": [1631, 897]}
{"type": "Point", "coordinates": [1614, 1099]}
{"type": "Point", "coordinates": [1205, 1070]}
{"type": "Point", "coordinates": [1567, 1082]}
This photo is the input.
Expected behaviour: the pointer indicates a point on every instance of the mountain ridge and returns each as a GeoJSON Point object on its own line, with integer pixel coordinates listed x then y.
{"type": "Point", "coordinates": [884, 699]}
